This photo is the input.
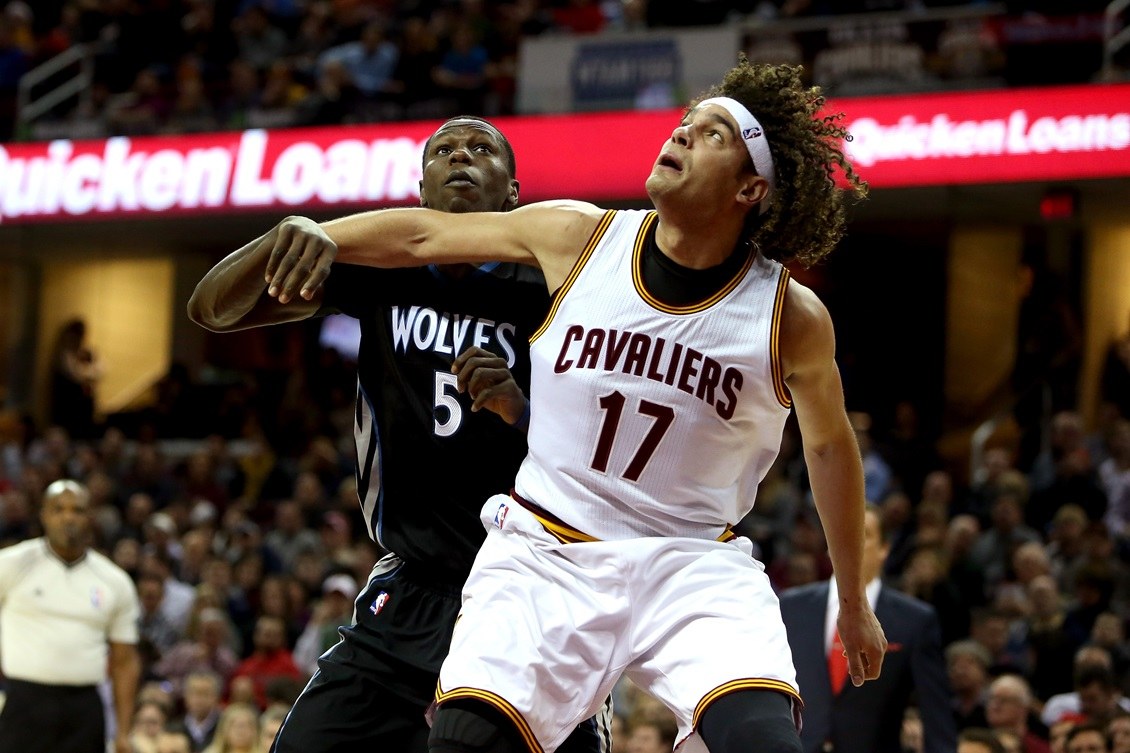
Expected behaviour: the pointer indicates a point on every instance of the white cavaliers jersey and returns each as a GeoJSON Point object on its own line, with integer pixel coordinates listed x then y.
{"type": "Point", "coordinates": [650, 419]}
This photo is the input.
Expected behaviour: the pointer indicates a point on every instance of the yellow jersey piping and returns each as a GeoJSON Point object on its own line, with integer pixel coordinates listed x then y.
{"type": "Point", "coordinates": [655, 303]}
{"type": "Point", "coordinates": [782, 391]}
{"type": "Point", "coordinates": [499, 703]}
{"type": "Point", "coordinates": [566, 534]}
{"type": "Point", "coordinates": [752, 683]}
{"type": "Point", "coordinates": [578, 265]}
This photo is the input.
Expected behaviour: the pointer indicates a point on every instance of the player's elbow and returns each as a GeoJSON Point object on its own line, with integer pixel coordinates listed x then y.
{"type": "Point", "coordinates": [202, 311]}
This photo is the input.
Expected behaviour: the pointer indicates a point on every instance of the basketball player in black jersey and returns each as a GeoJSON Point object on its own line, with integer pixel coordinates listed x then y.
{"type": "Point", "coordinates": [748, 171]}
{"type": "Point", "coordinates": [372, 689]}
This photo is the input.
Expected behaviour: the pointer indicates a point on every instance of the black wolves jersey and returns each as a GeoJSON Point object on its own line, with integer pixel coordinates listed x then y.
{"type": "Point", "coordinates": [425, 462]}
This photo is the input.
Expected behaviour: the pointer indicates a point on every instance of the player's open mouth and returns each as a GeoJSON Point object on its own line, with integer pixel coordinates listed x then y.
{"type": "Point", "coordinates": [459, 178]}
{"type": "Point", "coordinates": [666, 160]}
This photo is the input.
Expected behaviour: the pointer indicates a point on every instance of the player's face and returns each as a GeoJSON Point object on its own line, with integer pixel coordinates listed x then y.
{"type": "Point", "coordinates": [66, 521]}
{"type": "Point", "coordinates": [465, 170]}
{"type": "Point", "coordinates": [704, 161]}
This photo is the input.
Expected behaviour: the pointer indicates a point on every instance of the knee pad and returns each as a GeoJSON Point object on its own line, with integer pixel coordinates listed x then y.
{"type": "Point", "coordinates": [733, 722]}
{"type": "Point", "coordinates": [471, 727]}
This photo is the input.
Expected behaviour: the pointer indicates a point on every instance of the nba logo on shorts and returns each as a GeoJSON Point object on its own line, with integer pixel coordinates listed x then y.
{"type": "Point", "coordinates": [379, 603]}
{"type": "Point", "coordinates": [500, 516]}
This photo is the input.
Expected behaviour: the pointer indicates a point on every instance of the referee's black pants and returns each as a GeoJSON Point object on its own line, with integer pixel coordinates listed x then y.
{"type": "Point", "coordinates": [52, 719]}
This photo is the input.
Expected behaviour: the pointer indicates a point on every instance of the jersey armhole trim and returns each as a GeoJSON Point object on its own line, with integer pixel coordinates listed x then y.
{"type": "Point", "coordinates": [559, 294]}
{"type": "Point", "coordinates": [779, 388]}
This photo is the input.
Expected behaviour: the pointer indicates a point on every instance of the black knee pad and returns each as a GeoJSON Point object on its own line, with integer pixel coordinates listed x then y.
{"type": "Point", "coordinates": [465, 726]}
{"type": "Point", "coordinates": [750, 721]}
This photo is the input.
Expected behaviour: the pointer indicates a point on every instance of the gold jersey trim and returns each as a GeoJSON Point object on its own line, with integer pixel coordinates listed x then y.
{"type": "Point", "coordinates": [566, 534]}
{"type": "Point", "coordinates": [782, 391]}
{"type": "Point", "coordinates": [655, 303]}
{"type": "Point", "coordinates": [499, 703]}
{"type": "Point", "coordinates": [751, 683]}
{"type": "Point", "coordinates": [578, 265]}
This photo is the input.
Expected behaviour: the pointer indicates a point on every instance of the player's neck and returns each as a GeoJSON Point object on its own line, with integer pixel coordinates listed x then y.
{"type": "Point", "coordinates": [694, 246]}
{"type": "Point", "coordinates": [69, 555]}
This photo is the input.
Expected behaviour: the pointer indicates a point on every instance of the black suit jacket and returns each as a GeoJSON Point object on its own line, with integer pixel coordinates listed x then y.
{"type": "Point", "coordinates": [868, 719]}
{"type": "Point", "coordinates": [178, 725]}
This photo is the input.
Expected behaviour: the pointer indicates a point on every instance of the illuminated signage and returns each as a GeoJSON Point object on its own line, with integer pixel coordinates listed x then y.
{"type": "Point", "coordinates": [1054, 134]}
{"type": "Point", "coordinates": [1000, 136]}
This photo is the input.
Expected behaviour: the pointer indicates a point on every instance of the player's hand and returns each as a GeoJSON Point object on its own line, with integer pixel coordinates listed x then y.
{"type": "Point", "coordinates": [122, 743]}
{"type": "Point", "coordinates": [489, 381]}
{"type": "Point", "coordinates": [864, 643]}
{"type": "Point", "coordinates": [300, 261]}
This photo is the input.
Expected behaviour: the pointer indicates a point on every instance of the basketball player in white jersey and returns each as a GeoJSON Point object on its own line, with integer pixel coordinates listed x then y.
{"type": "Point", "coordinates": [661, 379]}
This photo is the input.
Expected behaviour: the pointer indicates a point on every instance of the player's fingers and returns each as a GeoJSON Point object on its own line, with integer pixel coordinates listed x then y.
{"type": "Point", "coordinates": [485, 377]}
{"type": "Point", "coordinates": [476, 366]}
{"type": "Point", "coordinates": [280, 238]}
{"type": "Point", "coordinates": [875, 661]}
{"type": "Point", "coordinates": [856, 671]}
{"type": "Point", "coordinates": [462, 359]}
{"type": "Point", "coordinates": [485, 396]}
{"type": "Point", "coordinates": [322, 265]}
{"type": "Point", "coordinates": [306, 252]}
{"type": "Point", "coordinates": [269, 240]}
{"type": "Point", "coordinates": [285, 255]}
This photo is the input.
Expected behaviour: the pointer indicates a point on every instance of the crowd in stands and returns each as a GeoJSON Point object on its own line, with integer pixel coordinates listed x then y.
{"type": "Point", "coordinates": [233, 507]}
{"type": "Point", "coordinates": [180, 66]}
{"type": "Point", "coordinates": [238, 520]}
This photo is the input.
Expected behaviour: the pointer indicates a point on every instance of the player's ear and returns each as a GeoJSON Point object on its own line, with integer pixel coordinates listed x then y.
{"type": "Point", "coordinates": [512, 195]}
{"type": "Point", "coordinates": [423, 197]}
{"type": "Point", "coordinates": [752, 190]}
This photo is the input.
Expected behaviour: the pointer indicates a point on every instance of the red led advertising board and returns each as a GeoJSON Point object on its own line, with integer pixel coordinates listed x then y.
{"type": "Point", "coordinates": [1001, 136]}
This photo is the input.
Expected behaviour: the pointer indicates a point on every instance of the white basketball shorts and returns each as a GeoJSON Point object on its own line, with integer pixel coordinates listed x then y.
{"type": "Point", "coordinates": [546, 629]}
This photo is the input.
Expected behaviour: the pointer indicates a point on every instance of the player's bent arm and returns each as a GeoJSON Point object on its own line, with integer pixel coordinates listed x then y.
{"type": "Point", "coordinates": [125, 669]}
{"type": "Point", "coordinates": [233, 295]}
{"type": "Point", "coordinates": [549, 235]}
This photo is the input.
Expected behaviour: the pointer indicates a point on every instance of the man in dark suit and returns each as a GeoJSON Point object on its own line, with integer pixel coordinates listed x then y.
{"type": "Point", "coordinates": [201, 709]}
{"type": "Point", "coordinates": [842, 718]}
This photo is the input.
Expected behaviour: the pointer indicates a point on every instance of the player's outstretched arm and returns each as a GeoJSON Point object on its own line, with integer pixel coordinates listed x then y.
{"type": "Point", "coordinates": [835, 470]}
{"type": "Point", "coordinates": [549, 235]}
{"type": "Point", "coordinates": [233, 295]}
{"type": "Point", "coordinates": [491, 385]}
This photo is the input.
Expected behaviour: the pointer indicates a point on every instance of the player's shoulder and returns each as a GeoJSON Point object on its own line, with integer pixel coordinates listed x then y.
{"type": "Point", "coordinates": [19, 558]}
{"type": "Point", "coordinates": [803, 309]}
{"type": "Point", "coordinates": [806, 332]}
{"type": "Point", "coordinates": [24, 550]}
{"type": "Point", "coordinates": [108, 571]}
{"type": "Point", "coordinates": [565, 206]}
{"type": "Point", "coordinates": [561, 216]}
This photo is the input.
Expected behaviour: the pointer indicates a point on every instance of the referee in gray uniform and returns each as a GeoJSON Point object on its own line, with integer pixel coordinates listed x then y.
{"type": "Point", "coordinates": [61, 605]}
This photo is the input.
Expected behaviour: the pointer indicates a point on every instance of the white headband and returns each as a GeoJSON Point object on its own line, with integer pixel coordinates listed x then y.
{"type": "Point", "coordinates": [753, 136]}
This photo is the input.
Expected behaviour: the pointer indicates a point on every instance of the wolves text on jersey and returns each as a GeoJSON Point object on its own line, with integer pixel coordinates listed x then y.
{"type": "Point", "coordinates": [450, 334]}
{"type": "Point", "coordinates": [653, 358]}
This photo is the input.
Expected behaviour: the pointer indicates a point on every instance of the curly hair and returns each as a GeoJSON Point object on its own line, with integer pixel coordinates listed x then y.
{"type": "Point", "coordinates": [805, 220]}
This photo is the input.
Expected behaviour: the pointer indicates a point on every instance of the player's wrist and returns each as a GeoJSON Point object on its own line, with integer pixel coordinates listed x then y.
{"type": "Point", "coordinates": [523, 422]}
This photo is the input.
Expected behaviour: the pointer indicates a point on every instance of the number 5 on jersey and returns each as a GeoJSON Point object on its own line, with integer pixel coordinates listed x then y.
{"type": "Point", "coordinates": [446, 397]}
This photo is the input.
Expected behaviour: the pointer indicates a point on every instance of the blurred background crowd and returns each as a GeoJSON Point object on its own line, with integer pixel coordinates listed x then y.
{"type": "Point", "coordinates": [182, 66]}
{"type": "Point", "coordinates": [230, 497]}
